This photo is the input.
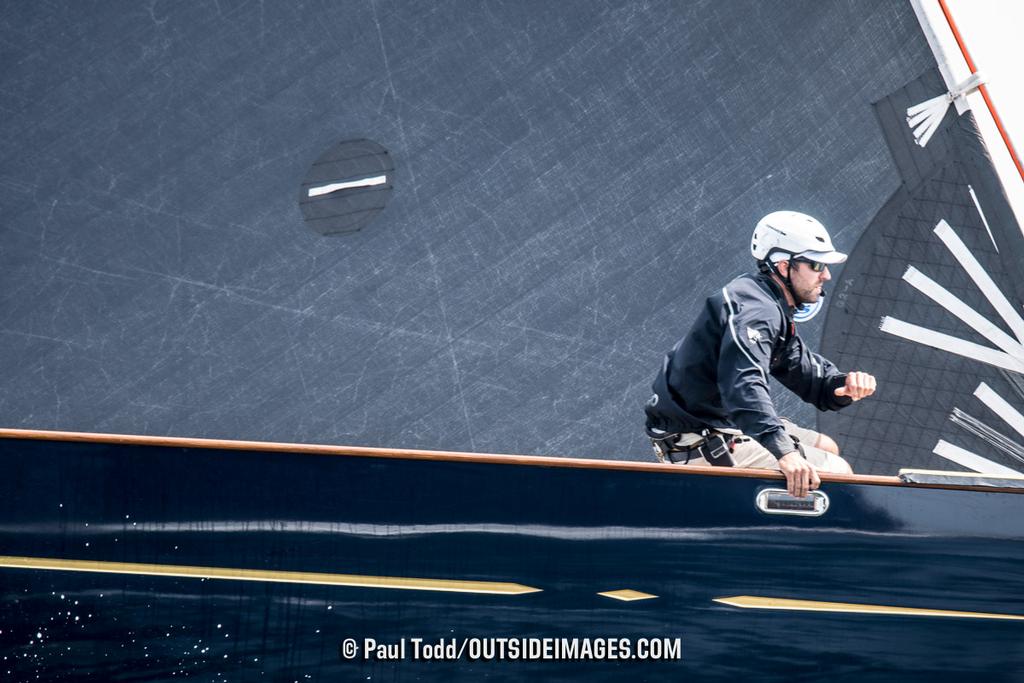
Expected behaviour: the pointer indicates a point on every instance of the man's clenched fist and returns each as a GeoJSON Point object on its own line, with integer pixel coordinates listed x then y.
{"type": "Point", "coordinates": [858, 385]}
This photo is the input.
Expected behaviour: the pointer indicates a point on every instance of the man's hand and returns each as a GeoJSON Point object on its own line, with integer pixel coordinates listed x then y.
{"type": "Point", "coordinates": [801, 476]}
{"type": "Point", "coordinates": [858, 385]}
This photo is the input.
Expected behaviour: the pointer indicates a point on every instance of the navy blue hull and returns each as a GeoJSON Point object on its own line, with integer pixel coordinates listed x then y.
{"type": "Point", "coordinates": [571, 532]}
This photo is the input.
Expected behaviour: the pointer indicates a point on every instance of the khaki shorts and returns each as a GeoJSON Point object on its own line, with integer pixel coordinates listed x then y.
{"type": "Point", "coordinates": [749, 453]}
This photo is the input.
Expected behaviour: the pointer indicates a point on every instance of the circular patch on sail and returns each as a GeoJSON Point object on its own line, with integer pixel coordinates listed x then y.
{"type": "Point", "coordinates": [808, 311]}
{"type": "Point", "coordinates": [347, 187]}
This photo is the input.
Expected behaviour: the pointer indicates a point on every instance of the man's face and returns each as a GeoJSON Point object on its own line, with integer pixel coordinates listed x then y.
{"type": "Point", "coordinates": [807, 283]}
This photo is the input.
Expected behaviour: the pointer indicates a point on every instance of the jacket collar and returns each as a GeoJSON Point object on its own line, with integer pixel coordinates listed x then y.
{"type": "Point", "coordinates": [773, 287]}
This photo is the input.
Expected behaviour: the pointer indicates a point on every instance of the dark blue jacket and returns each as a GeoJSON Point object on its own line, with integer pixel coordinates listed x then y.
{"type": "Point", "coordinates": [717, 375]}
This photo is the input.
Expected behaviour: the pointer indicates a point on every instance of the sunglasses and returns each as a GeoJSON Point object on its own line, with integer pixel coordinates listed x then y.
{"type": "Point", "coordinates": [816, 266]}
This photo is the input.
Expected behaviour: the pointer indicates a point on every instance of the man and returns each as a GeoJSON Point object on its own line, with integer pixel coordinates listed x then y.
{"type": "Point", "coordinates": [711, 402]}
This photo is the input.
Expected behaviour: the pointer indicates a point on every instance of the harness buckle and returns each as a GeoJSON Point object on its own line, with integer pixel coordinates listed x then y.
{"type": "Point", "coordinates": [716, 449]}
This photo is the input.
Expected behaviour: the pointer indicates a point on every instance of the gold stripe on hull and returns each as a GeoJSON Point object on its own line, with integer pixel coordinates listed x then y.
{"type": "Point", "coordinates": [627, 595]}
{"type": "Point", "coordinates": [229, 573]}
{"type": "Point", "coordinates": [755, 602]}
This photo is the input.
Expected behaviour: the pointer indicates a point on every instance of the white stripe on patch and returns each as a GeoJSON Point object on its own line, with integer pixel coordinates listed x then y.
{"type": "Point", "coordinates": [971, 461]}
{"type": "Point", "coordinates": [998, 405]}
{"type": "Point", "coordinates": [984, 220]}
{"type": "Point", "coordinates": [347, 185]}
{"type": "Point", "coordinates": [945, 342]}
{"type": "Point", "coordinates": [954, 305]}
{"type": "Point", "coordinates": [981, 278]}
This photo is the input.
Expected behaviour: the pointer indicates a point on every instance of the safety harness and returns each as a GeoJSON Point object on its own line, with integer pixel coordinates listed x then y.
{"type": "Point", "coordinates": [716, 448]}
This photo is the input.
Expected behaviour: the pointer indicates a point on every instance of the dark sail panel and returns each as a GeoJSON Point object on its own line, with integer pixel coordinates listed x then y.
{"type": "Point", "coordinates": [929, 359]}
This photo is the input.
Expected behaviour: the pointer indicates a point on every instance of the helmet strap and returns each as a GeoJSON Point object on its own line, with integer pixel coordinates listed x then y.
{"type": "Point", "coordinates": [787, 280]}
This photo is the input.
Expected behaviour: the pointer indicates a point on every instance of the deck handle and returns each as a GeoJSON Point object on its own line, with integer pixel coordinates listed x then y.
{"type": "Point", "coordinates": [779, 502]}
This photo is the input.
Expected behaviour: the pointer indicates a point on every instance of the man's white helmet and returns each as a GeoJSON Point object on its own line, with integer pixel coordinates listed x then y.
{"type": "Point", "coordinates": [784, 234]}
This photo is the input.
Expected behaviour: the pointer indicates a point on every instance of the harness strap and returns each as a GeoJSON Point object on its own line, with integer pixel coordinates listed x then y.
{"type": "Point", "coordinates": [713, 447]}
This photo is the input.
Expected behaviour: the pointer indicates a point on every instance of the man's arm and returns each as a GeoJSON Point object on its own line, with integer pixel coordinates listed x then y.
{"type": "Point", "coordinates": [749, 328]}
{"type": "Point", "coordinates": [811, 377]}
{"type": "Point", "coordinates": [743, 363]}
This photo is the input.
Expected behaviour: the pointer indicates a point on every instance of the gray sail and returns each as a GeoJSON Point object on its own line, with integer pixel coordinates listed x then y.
{"type": "Point", "coordinates": [570, 181]}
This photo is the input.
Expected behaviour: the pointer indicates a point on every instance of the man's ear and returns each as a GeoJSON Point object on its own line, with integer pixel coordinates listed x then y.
{"type": "Point", "coordinates": [779, 265]}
